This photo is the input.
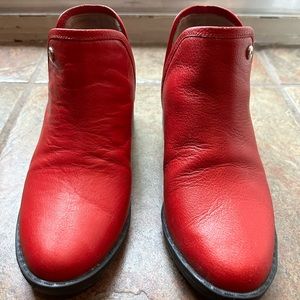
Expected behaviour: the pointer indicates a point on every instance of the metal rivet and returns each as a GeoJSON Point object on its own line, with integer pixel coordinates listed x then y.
{"type": "Point", "coordinates": [51, 54]}
{"type": "Point", "coordinates": [249, 52]}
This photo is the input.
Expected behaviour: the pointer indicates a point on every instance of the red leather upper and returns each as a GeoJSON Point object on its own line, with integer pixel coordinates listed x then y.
{"type": "Point", "coordinates": [217, 202]}
{"type": "Point", "coordinates": [77, 193]}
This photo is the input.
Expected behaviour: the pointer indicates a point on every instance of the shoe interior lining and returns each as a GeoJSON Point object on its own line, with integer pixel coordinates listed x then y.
{"type": "Point", "coordinates": [93, 21]}
{"type": "Point", "coordinates": [193, 20]}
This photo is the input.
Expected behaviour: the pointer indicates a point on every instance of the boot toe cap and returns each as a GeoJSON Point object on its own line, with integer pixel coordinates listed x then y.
{"type": "Point", "coordinates": [238, 265]}
{"type": "Point", "coordinates": [228, 240]}
{"type": "Point", "coordinates": [238, 273]}
{"type": "Point", "coordinates": [67, 228]}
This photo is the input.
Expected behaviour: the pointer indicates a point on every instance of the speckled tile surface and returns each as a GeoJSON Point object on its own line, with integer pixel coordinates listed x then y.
{"type": "Point", "coordinates": [278, 137]}
{"type": "Point", "coordinates": [286, 62]}
{"type": "Point", "coordinates": [14, 161]}
{"type": "Point", "coordinates": [149, 63]}
{"type": "Point", "coordinates": [18, 61]}
{"type": "Point", "coordinates": [294, 93]}
{"type": "Point", "coordinates": [259, 74]}
{"type": "Point", "coordinates": [9, 96]}
{"type": "Point", "coordinates": [42, 68]}
{"type": "Point", "coordinates": [143, 269]}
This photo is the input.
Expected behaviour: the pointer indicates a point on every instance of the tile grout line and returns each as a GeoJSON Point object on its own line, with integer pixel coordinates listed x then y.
{"type": "Point", "coordinates": [13, 117]}
{"type": "Point", "coordinates": [272, 72]}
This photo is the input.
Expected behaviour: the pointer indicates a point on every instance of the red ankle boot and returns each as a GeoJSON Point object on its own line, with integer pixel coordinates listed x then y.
{"type": "Point", "coordinates": [217, 216]}
{"type": "Point", "coordinates": [76, 202]}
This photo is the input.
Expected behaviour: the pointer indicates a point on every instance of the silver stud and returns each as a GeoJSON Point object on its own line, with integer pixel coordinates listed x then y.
{"type": "Point", "coordinates": [51, 54]}
{"type": "Point", "coordinates": [249, 52]}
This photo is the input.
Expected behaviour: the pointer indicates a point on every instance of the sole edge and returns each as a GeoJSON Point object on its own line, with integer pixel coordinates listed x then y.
{"type": "Point", "coordinates": [204, 287]}
{"type": "Point", "coordinates": [73, 286]}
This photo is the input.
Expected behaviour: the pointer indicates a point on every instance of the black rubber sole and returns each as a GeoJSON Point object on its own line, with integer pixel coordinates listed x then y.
{"type": "Point", "coordinates": [70, 287]}
{"type": "Point", "coordinates": [204, 287]}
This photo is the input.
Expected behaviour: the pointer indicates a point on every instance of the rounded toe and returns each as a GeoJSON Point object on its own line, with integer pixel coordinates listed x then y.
{"type": "Point", "coordinates": [229, 242]}
{"type": "Point", "coordinates": [238, 273]}
{"type": "Point", "coordinates": [67, 227]}
{"type": "Point", "coordinates": [235, 265]}
{"type": "Point", "coordinates": [53, 261]}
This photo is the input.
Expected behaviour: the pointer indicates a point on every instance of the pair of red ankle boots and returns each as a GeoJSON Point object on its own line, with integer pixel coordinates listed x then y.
{"type": "Point", "coordinates": [217, 214]}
